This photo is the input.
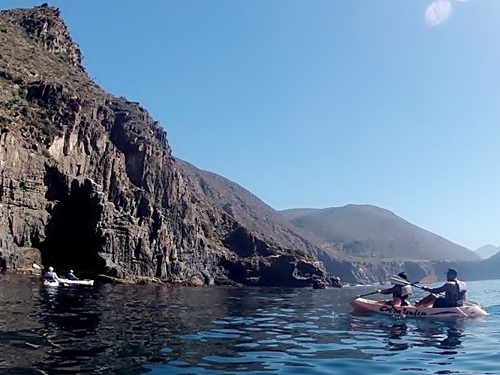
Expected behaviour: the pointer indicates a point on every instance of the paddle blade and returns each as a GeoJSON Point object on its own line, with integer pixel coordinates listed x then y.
{"type": "Point", "coordinates": [399, 280]}
{"type": "Point", "coordinates": [36, 266]}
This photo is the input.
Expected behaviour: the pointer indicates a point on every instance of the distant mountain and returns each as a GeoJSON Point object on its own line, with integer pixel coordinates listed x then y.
{"type": "Point", "coordinates": [484, 269]}
{"type": "Point", "coordinates": [487, 251]}
{"type": "Point", "coordinates": [364, 231]}
{"type": "Point", "coordinates": [494, 257]}
{"type": "Point", "coordinates": [357, 233]}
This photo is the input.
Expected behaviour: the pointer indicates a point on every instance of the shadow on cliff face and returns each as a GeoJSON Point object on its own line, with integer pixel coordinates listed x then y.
{"type": "Point", "coordinates": [72, 236]}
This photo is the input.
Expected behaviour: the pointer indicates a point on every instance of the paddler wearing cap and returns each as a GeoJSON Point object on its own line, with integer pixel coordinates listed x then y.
{"type": "Point", "coordinates": [71, 276]}
{"type": "Point", "coordinates": [454, 292]}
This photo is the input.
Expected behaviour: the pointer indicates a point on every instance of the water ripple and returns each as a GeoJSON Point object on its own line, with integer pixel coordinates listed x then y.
{"type": "Point", "coordinates": [158, 330]}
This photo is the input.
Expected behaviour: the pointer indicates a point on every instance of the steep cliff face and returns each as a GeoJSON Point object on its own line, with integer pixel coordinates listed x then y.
{"type": "Point", "coordinates": [87, 180]}
{"type": "Point", "coordinates": [246, 208]}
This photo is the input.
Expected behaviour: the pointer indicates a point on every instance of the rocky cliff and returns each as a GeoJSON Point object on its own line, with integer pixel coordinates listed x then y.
{"type": "Point", "coordinates": [88, 180]}
{"type": "Point", "coordinates": [248, 209]}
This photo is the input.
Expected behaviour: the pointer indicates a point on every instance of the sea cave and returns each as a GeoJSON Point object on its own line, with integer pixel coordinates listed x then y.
{"type": "Point", "coordinates": [72, 235]}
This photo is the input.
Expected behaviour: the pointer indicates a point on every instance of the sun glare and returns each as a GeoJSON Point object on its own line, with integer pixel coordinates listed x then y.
{"type": "Point", "coordinates": [438, 12]}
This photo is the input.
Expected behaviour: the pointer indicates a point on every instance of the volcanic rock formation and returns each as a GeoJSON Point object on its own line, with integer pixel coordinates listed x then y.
{"type": "Point", "coordinates": [87, 180]}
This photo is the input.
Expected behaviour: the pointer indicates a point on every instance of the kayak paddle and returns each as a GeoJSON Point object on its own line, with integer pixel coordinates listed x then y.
{"type": "Point", "coordinates": [396, 280]}
{"type": "Point", "coordinates": [368, 294]}
{"type": "Point", "coordinates": [400, 280]}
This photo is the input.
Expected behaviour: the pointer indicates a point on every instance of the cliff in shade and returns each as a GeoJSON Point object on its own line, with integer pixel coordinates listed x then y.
{"type": "Point", "coordinates": [88, 180]}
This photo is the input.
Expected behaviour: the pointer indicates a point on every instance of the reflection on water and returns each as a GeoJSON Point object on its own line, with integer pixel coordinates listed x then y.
{"type": "Point", "coordinates": [164, 330]}
{"type": "Point", "coordinates": [403, 335]}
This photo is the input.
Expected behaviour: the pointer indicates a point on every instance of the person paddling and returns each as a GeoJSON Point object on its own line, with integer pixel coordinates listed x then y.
{"type": "Point", "coordinates": [454, 292]}
{"type": "Point", "coordinates": [71, 276]}
{"type": "Point", "coordinates": [51, 275]}
{"type": "Point", "coordinates": [399, 292]}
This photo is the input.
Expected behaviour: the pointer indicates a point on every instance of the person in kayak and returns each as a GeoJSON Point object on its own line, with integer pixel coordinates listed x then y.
{"type": "Point", "coordinates": [71, 276]}
{"type": "Point", "coordinates": [400, 293]}
{"type": "Point", "coordinates": [454, 292]}
{"type": "Point", "coordinates": [50, 275]}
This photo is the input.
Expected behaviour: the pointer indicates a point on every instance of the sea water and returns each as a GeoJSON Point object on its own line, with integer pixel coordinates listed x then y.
{"type": "Point", "coordinates": [112, 329]}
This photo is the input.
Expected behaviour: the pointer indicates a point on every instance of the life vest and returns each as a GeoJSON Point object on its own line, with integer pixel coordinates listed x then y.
{"type": "Point", "coordinates": [461, 290]}
{"type": "Point", "coordinates": [406, 291]}
{"type": "Point", "coordinates": [401, 294]}
{"type": "Point", "coordinates": [403, 291]}
{"type": "Point", "coordinates": [50, 275]}
{"type": "Point", "coordinates": [457, 298]}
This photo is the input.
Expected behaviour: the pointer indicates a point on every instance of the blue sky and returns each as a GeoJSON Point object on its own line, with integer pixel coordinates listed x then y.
{"type": "Point", "coordinates": [318, 103]}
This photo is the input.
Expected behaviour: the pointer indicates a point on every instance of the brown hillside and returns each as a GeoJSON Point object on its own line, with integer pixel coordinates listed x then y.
{"type": "Point", "coordinates": [364, 231]}
{"type": "Point", "coordinates": [253, 212]}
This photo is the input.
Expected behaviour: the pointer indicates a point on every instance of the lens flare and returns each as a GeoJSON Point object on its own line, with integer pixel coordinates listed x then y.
{"type": "Point", "coordinates": [438, 12]}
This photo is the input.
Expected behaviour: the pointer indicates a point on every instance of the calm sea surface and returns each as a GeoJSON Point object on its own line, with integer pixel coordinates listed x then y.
{"type": "Point", "coordinates": [164, 330]}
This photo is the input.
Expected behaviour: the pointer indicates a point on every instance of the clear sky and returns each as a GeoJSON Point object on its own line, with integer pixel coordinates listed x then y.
{"type": "Point", "coordinates": [393, 103]}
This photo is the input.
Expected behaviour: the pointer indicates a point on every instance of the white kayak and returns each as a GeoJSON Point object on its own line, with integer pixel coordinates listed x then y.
{"type": "Point", "coordinates": [50, 283]}
{"type": "Point", "coordinates": [469, 310]}
{"type": "Point", "coordinates": [75, 282]}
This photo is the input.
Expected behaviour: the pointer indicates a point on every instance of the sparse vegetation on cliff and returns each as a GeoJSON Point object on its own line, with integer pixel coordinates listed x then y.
{"type": "Point", "coordinates": [88, 179]}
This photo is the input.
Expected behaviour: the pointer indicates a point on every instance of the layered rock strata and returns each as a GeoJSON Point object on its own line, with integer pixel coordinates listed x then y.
{"type": "Point", "coordinates": [87, 180]}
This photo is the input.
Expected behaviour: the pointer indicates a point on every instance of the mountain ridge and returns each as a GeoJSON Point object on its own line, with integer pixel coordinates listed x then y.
{"type": "Point", "coordinates": [487, 251]}
{"type": "Point", "coordinates": [241, 203]}
{"type": "Point", "coordinates": [367, 230]}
